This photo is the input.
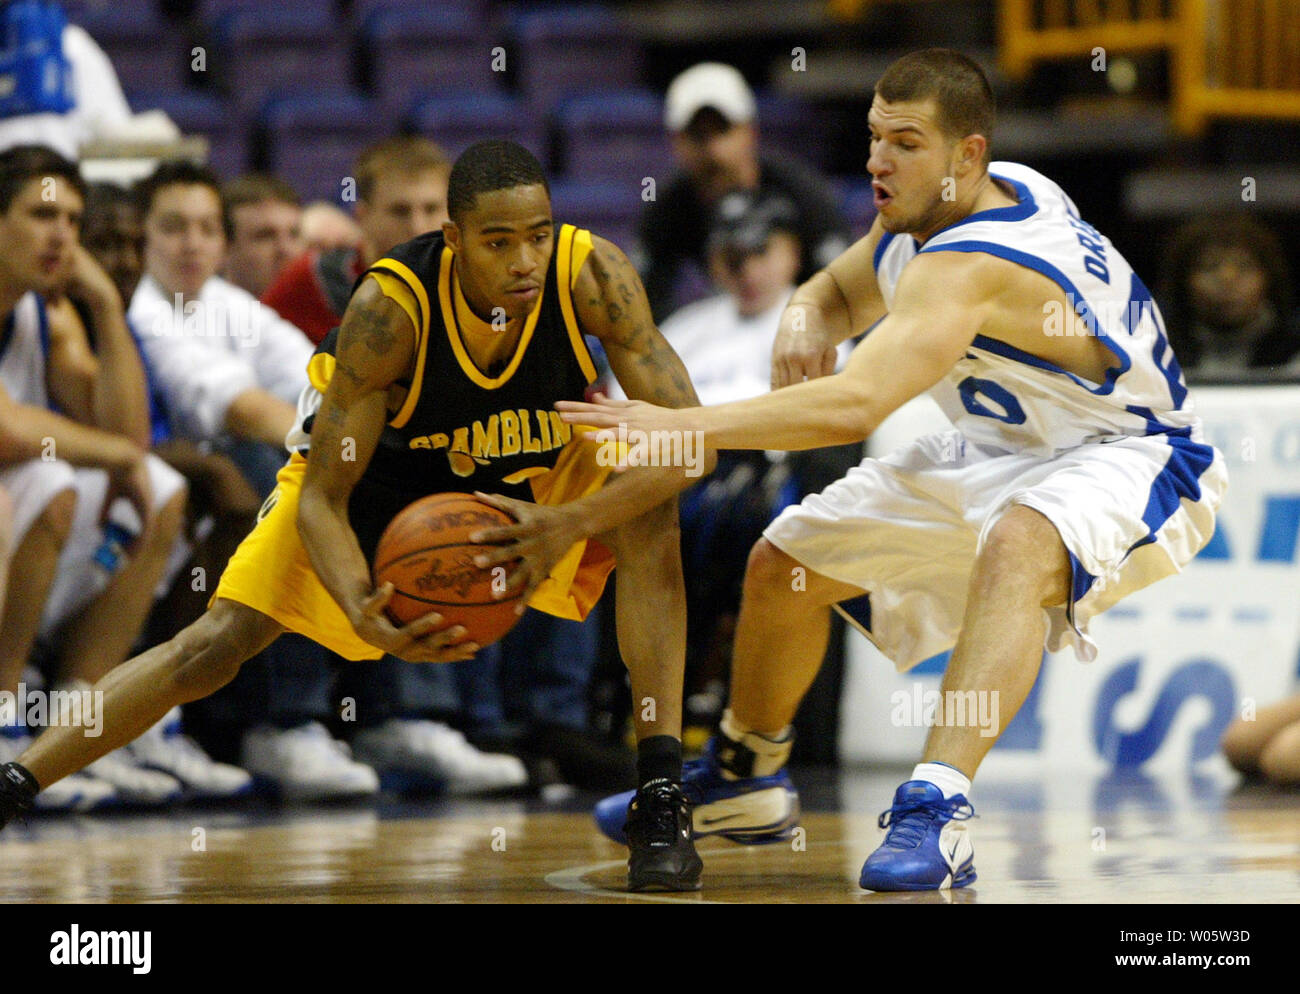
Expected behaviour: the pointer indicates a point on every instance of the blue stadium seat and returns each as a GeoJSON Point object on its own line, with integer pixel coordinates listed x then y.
{"type": "Point", "coordinates": [457, 122]}
{"type": "Point", "coordinates": [610, 209]}
{"type": "Point", "coordinates": [144, 50]}
{"type": "Point", "coordinates": [573, 50]}
{"type": "Point", "coordinates": [312, 140]}
{"type": "Point", "coordinates": [260, 51]}
{"type": "Point", "coordinates": [204, 114]}
{"type": "Point", "coordinates": [616, 135]}
{"type": "Point", "coordinates": [404, 50]}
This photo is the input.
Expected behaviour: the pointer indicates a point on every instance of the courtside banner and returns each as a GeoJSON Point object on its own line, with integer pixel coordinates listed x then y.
{"type": "Point", "coordinates": [1178, 661]}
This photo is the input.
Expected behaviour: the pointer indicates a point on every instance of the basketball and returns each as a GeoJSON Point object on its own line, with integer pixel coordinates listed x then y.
{"type": "Point", "coordinates": [426, 554]}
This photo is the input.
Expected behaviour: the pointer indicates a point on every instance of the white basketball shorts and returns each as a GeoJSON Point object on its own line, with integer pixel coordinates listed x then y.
{"type": "Point", "coordinates": [33, 484]}
{"type": "Point", "coordinates": [906, 528]}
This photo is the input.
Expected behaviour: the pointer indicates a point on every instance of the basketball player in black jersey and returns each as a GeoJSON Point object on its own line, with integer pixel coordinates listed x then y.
{"type": "Point", "coordinates": [442, 377]}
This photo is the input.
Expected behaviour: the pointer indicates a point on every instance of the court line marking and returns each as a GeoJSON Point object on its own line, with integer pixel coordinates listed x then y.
{"type": "Point", "coordinates": [571, 879]}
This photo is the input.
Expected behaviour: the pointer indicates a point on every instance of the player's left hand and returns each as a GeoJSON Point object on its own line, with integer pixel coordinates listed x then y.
{"type": "Point", "coordinates": [531, 547]}
{"type": "Point", "coordinates": [604, 414]}
{"type": "Point", "coordinates": [87, 281]}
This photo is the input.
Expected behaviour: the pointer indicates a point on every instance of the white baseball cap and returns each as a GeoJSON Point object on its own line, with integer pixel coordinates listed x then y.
{"type": "Point", "coordinates": [709, 84]}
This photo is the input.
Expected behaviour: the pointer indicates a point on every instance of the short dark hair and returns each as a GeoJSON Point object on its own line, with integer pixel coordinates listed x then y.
{"type": "Point", "coordinates": [23, 163]}
{"type": "Point", "coordinates": [405, 154]}
{"type": "Point", "coordinates": [254, 188]}
{"type": "Point", "coordinates": [955, 83]}
{"type": "Point", "coordinates": [101, 200]}
{"type": "Point", "coordinates": [491, 165]}
{"type": "Point", "coordinates": [176, 172]}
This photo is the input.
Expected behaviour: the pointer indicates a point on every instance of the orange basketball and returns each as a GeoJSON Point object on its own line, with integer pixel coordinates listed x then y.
{"type": "Point", "coordinates": [426, 554]}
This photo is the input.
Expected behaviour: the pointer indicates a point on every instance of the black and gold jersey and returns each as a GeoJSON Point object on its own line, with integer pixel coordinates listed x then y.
{"type": "Point", "coordinates": [461, 428]}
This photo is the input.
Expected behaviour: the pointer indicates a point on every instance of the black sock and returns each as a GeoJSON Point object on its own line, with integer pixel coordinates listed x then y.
{"type": "Point", "coordinates": [20, 780]}
{"type": "Point", "coordinates": [659, 758]}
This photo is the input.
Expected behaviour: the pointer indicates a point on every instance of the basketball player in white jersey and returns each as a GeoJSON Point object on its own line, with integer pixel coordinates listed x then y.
{"type": "Point", "coordinates": [1075, 474]}
{"type": "Point", "coordinates": [73, 434]}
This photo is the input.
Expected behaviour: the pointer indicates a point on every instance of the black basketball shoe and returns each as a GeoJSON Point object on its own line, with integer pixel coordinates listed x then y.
{"type": "Point", "coordinates": [18, 789]}
{"type": "Point", "coordinates": [662, 856]}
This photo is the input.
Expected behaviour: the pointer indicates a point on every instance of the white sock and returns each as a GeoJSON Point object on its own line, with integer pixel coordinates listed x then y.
{"type": "Point", "coordinates": [948, 779]}
{"type": "Point", "coordinates": [770, 752]}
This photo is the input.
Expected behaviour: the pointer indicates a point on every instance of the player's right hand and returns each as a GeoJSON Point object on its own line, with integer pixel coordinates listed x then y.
{"type": "Point", "coordinates": [803, 348]}
{"type": "Point", "coordinates": [427, 639]}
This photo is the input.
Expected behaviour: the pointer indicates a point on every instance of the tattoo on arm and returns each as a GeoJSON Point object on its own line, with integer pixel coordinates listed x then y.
{"type": "Point", "coordinates": [373, 330]}
{"type": "Point", "coordinates": [635, 332]}
{"type": "Point", "coordinates": [345, 369]}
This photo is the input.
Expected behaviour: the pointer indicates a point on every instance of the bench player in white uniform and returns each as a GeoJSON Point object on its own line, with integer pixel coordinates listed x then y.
{"type": "Point", "coordinates": [72, 436]}
{"type": "Point", "coordinates": [1075, 473]}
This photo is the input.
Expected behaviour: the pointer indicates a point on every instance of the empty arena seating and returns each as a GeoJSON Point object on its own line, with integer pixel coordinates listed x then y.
{"type": "Point", "coordinates": [457, 121]}
{"type": "Point", "coordinates": [300, 88]}
{"type": "Point", "coordinates": [405, 49]}
{"type": "Point", "coordinates": [264, 51]}
{"type": "Point", "coordinates": [315, 139]}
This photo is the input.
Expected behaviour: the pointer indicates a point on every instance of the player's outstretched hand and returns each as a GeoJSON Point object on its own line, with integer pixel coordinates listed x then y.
{"type": "Point", "coordinates": [604, 413]}
{"type": "Point", "coordinates": [803, 348]}
{"type": "Point", "coordinates": [529, 548]}
{"type": "Point", "coordinates": [427, 639]}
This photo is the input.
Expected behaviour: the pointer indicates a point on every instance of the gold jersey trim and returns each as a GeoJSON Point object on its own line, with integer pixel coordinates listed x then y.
{"type": "Point", "coordinates": [404, 273]}
{"type": "Point", "coordinates": [449, 321]}
{"type": "Point", "coordinates": [571, 261]}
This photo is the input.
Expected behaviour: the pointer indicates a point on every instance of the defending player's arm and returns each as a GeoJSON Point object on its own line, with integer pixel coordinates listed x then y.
{"type": "Point", "coordinates": [838, 302]}
{"type": "Point", "coordinates": [940, 305]}
{"type": "Point", "coordinates": [375, 347]}
{"type": "Point", "coordinates": [611, 305]}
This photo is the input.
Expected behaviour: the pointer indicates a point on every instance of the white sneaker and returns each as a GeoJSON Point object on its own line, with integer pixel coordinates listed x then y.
{"type": "Point", "coordinates": [77, 792]}
{"type": "Point", "coordinates": [306, 764]}
{"type": "Point", "coordinates": [431, 750]}
{"type": "Point", "coordinates": [134, 784]}
{"type": "Point", "coordinates": [166, 748]}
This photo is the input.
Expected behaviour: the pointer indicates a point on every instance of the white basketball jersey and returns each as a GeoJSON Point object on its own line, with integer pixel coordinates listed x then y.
{"type": "Point", "coordinates": [24, 346]}
{"type": "Point", "coordinates": [1001, 397]}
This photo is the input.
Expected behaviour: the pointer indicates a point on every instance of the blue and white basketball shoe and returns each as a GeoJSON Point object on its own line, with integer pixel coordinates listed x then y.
{"type": "Point", "coordinates": [753, 810]}
{"type": "Point", "coordinates": [927, 848]}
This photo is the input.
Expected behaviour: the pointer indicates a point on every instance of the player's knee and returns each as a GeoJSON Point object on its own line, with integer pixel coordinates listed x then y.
{"type": "Point", "coordinates": [164, 523]}
{"type": "Point", "coordinates": [655, 531]}
{"type": "Point", "coordinates": [1024, 549]}
{"type": "Point", "coordinates": [1280, 760]}
{"type": "Point", "coordinates": [212, 651]}
{"type": "Point", "coordinates": [1241, 747]}
{"type": "Point", "coordinates": [56, 519]}
{"type": "Point", "coordinates": [768, 569]}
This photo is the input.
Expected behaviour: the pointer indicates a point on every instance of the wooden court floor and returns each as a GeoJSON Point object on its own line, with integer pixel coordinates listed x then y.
{"type": "Point", "coordinates": [1038, 839]}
